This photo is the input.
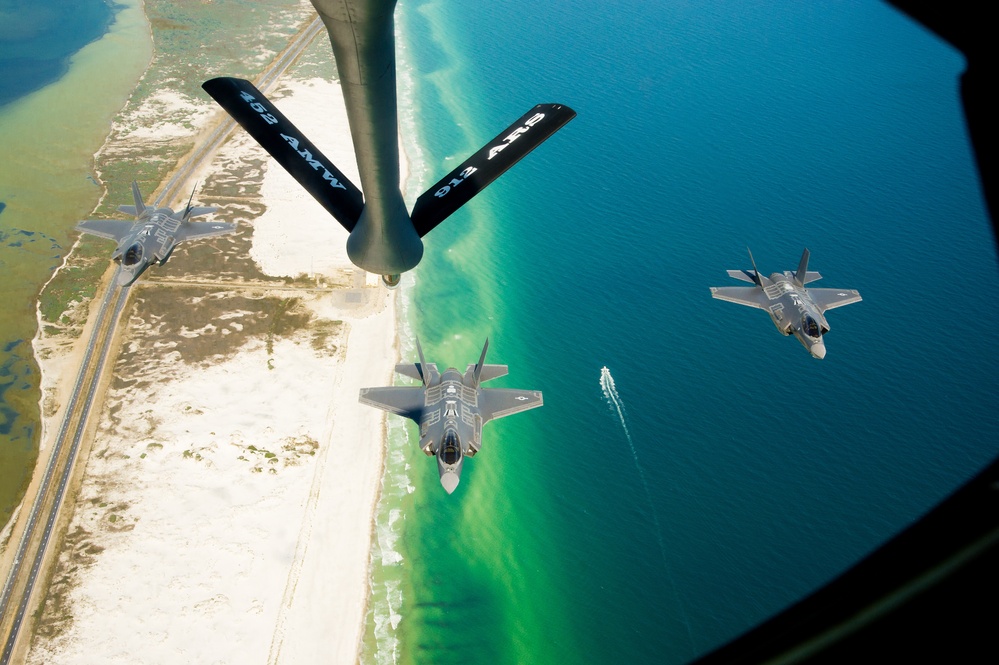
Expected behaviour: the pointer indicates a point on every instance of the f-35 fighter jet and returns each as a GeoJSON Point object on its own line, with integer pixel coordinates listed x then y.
{"type": "Point", "coordinates": [451, 409]}
{"type": "Point", "coordinates": [385, 238]}
{"type": "Point", "coordinates": [794, 309]}
{"type": "Point", "coordinates": [154, 234]}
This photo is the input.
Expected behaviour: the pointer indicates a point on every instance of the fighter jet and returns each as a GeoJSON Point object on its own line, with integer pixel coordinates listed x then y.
{"type": "Point", "coordinates": [451, 409]}
{"type": "Point", "coordinates": [154, 234]}
{"type": "Point", "coordinates": [794, 309]}
{"type": "Point", "coordinates": [384, 238]}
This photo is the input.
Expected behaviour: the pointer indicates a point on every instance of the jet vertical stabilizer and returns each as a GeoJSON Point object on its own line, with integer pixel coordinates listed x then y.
{"type": "Point", "coordinates": [756, 271]}
{"type": "Point", "coordinates": [800, 275]}
{"type": "Point", "coordinates": [477, 370]}
{"type": "Point", "coordinates": [424, 376]}
{"type": "Point", "coordinates": [139, 207]}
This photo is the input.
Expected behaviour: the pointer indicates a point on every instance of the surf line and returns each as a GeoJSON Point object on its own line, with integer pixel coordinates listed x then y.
{"type": "Point", "coordinates": [614, 401]}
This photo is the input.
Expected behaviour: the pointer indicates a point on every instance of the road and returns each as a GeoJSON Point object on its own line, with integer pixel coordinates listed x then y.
{"type": "Point", "coordinates": [16, 597]}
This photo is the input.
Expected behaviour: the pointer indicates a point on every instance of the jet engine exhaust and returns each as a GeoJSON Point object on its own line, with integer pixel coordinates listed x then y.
{"type": "Point", "coordinates": [391, 281]}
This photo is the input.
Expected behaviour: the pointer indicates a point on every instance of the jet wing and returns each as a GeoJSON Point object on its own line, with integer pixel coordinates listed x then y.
{"type": "Point", "coordinates": [115, 229]}
{"type": "Point", "coordinates": [192, 230]}
{"type": "Point", "coordinates": [751, 296]}
{"type": "Point", "coordinates": [500, 402]}
{"type": "Point", "coordinates": [404, 401]}
{"type": "Point", "coordinates": [832, 298]}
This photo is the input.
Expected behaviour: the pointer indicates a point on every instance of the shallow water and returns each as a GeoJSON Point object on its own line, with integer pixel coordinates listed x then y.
{"type": "Point", "coordinates": [49, 136]}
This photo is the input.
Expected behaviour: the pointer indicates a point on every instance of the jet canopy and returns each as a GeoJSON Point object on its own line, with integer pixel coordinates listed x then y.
{"type": "Point", "coordinates": [810, 327]}
{"type": "Point", "coordinates": [133, 255]}
{"type": "Point", "coordinates": [450, 448]}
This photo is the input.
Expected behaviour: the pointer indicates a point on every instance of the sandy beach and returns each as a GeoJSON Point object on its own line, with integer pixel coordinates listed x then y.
{"type": "Point", "coordinates": [226, 510]}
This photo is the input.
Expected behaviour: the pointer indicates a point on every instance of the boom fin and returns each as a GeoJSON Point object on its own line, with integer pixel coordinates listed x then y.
{"type": "Point", "coordinates": [289, 147]}
{"type": "Point", "coordinates": [801, 274]}
{"type": "Point", "coordinates": [490, 162]}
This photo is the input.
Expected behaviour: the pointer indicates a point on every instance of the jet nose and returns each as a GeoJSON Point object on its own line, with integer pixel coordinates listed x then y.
{"type": "Point", "coordinates": [125, 277]}
{"type": "Point", "coordinates": [449, 479]}
{"type": "Point", "coordinates": [818, 350]}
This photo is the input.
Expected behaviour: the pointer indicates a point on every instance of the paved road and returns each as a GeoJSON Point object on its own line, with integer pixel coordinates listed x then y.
{"type": "Point", "coordinates": [20, 581]}
{"type": "Point", "coordinates": [114, 301]}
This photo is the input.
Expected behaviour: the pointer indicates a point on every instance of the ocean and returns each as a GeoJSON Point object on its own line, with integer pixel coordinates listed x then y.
{"type": "Point", "coordinates": [715, 472]}
{"type": "Point", "coordinates": [718, 472]}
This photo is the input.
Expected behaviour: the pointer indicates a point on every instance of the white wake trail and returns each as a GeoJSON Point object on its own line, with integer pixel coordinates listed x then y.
{"type": "Point", "coordinates": [614, 400]}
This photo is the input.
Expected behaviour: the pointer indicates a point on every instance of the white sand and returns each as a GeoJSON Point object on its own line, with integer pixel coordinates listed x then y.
{"type": "Point", "coordinates": [296, 235]}
{"type": "Point", "coordinates": [165, 117]}
{"type": "Point", "coordinates": [199, 548]}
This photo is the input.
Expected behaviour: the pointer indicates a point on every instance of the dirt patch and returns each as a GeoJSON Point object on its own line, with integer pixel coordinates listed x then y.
{"type": "Point", "coordinates": [188, 325]}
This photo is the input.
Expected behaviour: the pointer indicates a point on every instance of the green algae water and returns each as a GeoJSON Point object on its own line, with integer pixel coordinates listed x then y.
{"type": "Point", "coordinates": [715, 473]}
{"type": "Point", "coordinates": [49, 137]}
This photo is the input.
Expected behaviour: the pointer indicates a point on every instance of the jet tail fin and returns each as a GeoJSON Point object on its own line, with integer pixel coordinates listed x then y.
{"type": "Point", "coordinates": [187, 208]}
{"type": "Point", "coordinates": [289, 147]}
{"type": "Point", "coordinates": [756, 271]}
{"type": "Point", "coordinates": [421, 371]}
{"type": "Point", "coordinates": [139, 207]}
{"type": "Point", "coordinates": [490, 162]}
{"type": "Point", "coordinates": [193, 210]}
{"type": "Point", "coordinates": [477, 370]}
{"type": "Point", "coordinates": [424, 375]}
{"type": "Point", "coordinates": [801, 274]}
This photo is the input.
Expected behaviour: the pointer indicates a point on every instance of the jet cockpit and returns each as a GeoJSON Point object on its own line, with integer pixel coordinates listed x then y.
{"type": "Point", "coordinates": [133, 255]}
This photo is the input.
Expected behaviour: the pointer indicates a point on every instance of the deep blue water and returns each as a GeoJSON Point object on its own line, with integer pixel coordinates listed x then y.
{"type": "Point", "coordinates": [703, 128]}
{"type": "Point", "coordinates": [38, 38]}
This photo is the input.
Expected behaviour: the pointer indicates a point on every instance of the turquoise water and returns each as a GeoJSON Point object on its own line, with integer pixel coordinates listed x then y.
{"type": "Point", "coordinates": [740, 473]}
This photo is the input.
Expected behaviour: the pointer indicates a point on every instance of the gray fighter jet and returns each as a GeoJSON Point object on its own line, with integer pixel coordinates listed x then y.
{"type": "Point", "coordinates": [384, 238]}
{"type": "Point", "coordinates": [794, 309]}
{"type": "Point", "coordinates": [451, 409]}
{"type": "Point", "coordinates": [153, 236]}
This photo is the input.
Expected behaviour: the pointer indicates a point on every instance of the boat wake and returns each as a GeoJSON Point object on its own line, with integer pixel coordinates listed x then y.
{"type": "Point", "coordinates": [614, 401]}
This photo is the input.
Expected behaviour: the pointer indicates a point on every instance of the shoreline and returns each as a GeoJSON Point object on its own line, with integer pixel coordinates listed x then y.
{"type": "Point", "coordinates": [45, 188]}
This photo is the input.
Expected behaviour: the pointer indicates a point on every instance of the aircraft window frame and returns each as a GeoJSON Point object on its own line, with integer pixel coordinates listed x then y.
{"type": "Point", "coordinates": [450, 443]}
{"type": "Point", "coordinates": [132, 255]}
{"type": "Point", "coordinates": [809, 324]}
